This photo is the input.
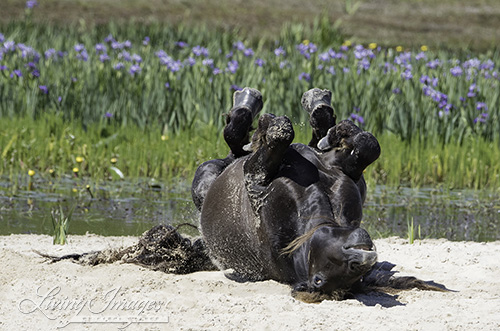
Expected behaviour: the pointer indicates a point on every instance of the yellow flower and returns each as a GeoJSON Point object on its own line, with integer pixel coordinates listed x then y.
{"type": "Point", "coordinates": [372, 45]}
{"type": "Point", "coordinates": [75, 170]}
{"type": "Point", "coordinates": [164, 137]}
{"type": "Point", "coordinates": [74, 190]}
{"type": "Point", "coordinates": [31, 173]}
{"type": "Point", "coordinates": [51, 171]}
{"type": "Point", "coordinates": [399, 49]}
{"type": "Point", "coordinates": [347, 43]}
{"type": "Point", "coordinates": [306, 42]}
{"type": "Point", "coordinates": [424, 48]}
{"type": "Point", "coordinates": [79, 159]}
{"type": "Point", "coordinates": [113, 160]}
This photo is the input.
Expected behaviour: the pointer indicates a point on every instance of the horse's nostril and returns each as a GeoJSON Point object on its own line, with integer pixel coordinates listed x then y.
{"type": "Point", "coordinates": [354, 266]}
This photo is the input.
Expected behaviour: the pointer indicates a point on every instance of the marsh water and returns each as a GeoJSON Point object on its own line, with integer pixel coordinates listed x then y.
{"type": "Point", "coordinates": [130, 208]}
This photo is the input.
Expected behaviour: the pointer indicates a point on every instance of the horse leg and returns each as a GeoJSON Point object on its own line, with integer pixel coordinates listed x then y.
{"type": "Point", "coordinates": [317, 103]}
{"type": "Point", "coordinates": [269, 143]}
{"type": "Point", "coordinates": [246, 104]}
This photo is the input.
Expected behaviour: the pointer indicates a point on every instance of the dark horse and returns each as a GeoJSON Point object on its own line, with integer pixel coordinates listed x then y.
{"type": "Point", "coordinates": [283, 211]}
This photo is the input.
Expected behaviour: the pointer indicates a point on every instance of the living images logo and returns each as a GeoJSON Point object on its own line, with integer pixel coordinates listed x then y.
{"type": "Point", "coordinates": [110, 307]}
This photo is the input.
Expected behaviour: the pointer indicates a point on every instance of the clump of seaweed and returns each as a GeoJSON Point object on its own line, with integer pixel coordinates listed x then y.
{"type": "Point", "coordinates": [162, 248]}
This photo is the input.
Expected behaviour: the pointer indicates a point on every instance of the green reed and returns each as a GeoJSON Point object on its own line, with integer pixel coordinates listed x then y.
{"type": "Point", "coordinates": [60, 223]}
{"type": "Point", "coordinates": [159, 114]}
{"type": "Point", "coordinates": [52, 148]}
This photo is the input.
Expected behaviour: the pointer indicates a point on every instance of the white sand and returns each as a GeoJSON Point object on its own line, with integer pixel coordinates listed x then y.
{"type": "Point", "coordinates": [207, 300]}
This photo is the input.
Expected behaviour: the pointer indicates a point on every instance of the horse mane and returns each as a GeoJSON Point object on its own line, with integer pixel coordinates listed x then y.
{"type": "Point", "coordinates": [300, 240]}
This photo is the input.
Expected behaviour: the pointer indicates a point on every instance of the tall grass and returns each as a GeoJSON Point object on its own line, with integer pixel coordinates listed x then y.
{"type": "Point", "coordinates": [178, 77]}
{"type": "Point", "coordinates": [149, 99]}
{"type": "Point", "coordinates": [51, 148]}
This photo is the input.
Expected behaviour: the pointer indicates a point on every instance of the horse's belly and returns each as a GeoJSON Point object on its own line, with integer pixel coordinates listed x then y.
{"type": "Point", "coordinates": [230, 228]}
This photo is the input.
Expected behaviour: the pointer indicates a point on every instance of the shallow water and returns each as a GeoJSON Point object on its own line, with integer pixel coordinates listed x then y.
{"type": "Point", "coordinates": [126, 208]}
{"type": "Point", "coordinates": [435, 213]}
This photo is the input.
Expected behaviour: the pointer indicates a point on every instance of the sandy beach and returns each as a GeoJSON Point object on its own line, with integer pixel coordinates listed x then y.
{"type": "Point", "coordinates": [38, 295]}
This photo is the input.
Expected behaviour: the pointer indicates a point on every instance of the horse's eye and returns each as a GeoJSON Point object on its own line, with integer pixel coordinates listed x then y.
{"type": "Point", "coordinates": [317, 280]}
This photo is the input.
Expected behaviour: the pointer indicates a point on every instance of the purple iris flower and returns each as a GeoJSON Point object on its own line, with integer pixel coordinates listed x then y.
{"type": "Point", "coordinates": [134, 69]}
{"type": "Point", "coordinates": [279, 51]}
{"type": "Point", "coordinates": [109, 38]}
{"type": "Point", "coordinates": [103, 57]}
{"type": "Point", "coordinates": [472, 63]}
{"type": "Point", "coordinates": [100, 48]}
{"type": "Point", "coordinates": [304, 76]}
{"type": "Point", "coordinates": [50, 53]}
{"type": "Point", "coordinates": [396, 90]}
{"type": "Point", "coordinates": [364, 63]}
{"type": "Point", "coordinates": [424, 79]}
{"type": "Point", "coordinates": [146, 40]}
{"type": "Point", "coordinates": [304, 50]}
{"type": "Point", "coordinates": [79, 47]}
{"type": "Point", "coordinates": [232, 66]}
{"type": "Point", "coordinates": [481, 106]}
{"type": "Point", "coordinates": [44, 89]}
{"type": "Point", "coordinates": [137, 58]}
{"type": "Point", "coordinates": [482, 118]}
{"type": "Point", "coordinates": [16, 72]}
{"type": "Point", "coordinates": [127, 44]}
{"type": "Point", "coordinates": [472, 91]}
{"type": "Point", "coordinates": [407, 75]}
{"type": "Point", "coordinates": [108, 115]}
{"type": "Point", "coordinates": [83, 56]}
{"type": "Point", "coordinates": [174, 66]}
{"type": "Point", "coordinates": [116, 45]}
{"type": "Point", "coordinates": [208, 62]}
{"type": "Point", "coordinates": [125, 55]}
{"type": "Point", "coordinates": [358, 118]}
{"type": "Point", "coordinates": [119, 66]}
{"type": "Point", "coordinates": [325, 57]}
{"type": "Point", "coordinates": [259, 62]}
{"type": "Point", "coordinates": [182, 44]}
{"type": "Point", "coordinates": [488, 65]}
{"type": "Point", "coordinates": [191, 61]}
{"type": "Point", "coordinates": [239, 46]}
{"type": "Point", "coordinates": [200, 51]}
{"type": "Point", "coordinates": [248, 52]}
{"type": "Point", "coordinates": [9, 45]}
{"type": "Point", "coordinates": [403, 58]}
{"type": "Point", "coordinates": [433, 64]}
{"type": "Point", "coordinates": [421, 56]}
{"type": "Point", "coordinates": [216, 71]}
{"type": "Point", "coordinates": [236, 88]}
{"type": "Point", "coordinates": [31, 3]}
{"type": "Point", "coordinates": [456, 71]}
{"type": "Point", "coordinates": [331, 70]}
